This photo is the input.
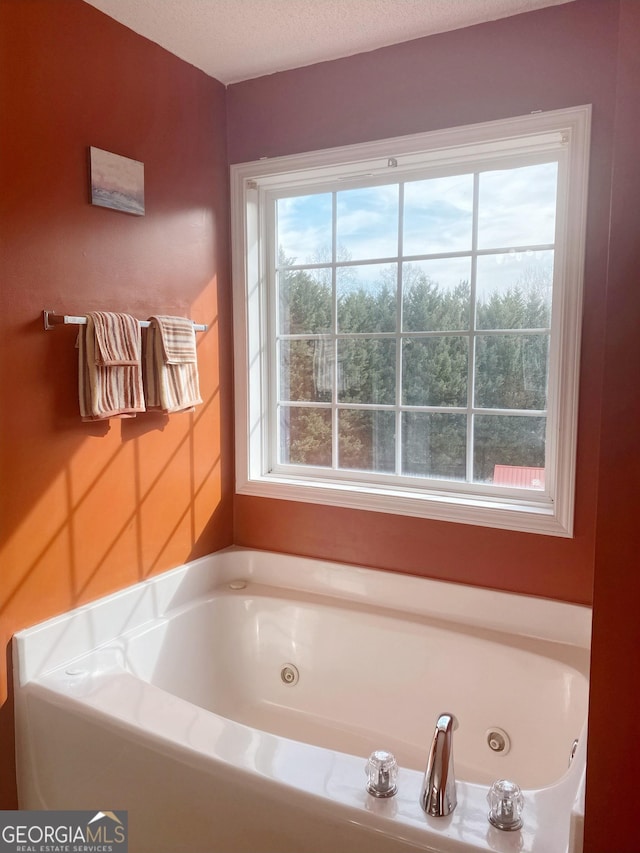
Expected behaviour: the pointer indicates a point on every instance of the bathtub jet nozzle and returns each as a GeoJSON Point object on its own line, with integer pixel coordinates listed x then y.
{"type": "Point", "coordinates": [438, 795]}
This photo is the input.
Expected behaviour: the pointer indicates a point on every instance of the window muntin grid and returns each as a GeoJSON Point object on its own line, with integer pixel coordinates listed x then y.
{"type": "Point", "coordinates": [368, 362]}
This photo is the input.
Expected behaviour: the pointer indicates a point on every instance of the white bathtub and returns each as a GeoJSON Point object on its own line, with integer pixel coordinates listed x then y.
{"type": "Point", "coordinates": [168, 700]}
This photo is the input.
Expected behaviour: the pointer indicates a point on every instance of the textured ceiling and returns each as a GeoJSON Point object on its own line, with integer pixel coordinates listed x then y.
{"type": "Point", "coordinates": [235, 40]}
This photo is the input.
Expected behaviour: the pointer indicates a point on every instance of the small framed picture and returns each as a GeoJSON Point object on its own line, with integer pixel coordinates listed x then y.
{"type": "Point", "coordinates": [116, 182]}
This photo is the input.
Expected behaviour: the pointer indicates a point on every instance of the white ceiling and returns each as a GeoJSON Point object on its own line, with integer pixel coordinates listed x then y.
{"type": "Point", "coordinates": [235, 40]}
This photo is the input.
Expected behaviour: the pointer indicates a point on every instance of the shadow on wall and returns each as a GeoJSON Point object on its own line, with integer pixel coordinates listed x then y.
{"type": "Point", "coordinates": [135, 493]}
{"type": "Point", "coordinates": [150, 504]}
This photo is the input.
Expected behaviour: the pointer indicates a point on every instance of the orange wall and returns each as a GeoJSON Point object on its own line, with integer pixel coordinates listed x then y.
{"type": "Point", "coordinates": [89, 508]}
{"type": "Point", "coordinates": [544, 60]}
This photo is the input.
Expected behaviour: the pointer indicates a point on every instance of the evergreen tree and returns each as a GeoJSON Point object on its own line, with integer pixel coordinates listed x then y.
{"type": "Point", "coordinates": [510, 371]}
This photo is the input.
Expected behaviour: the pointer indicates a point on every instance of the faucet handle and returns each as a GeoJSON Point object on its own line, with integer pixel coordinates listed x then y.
{"type": "Point", "coordinates": [505, 805]}
{"type": "Point", "coordinates": [382, 770]}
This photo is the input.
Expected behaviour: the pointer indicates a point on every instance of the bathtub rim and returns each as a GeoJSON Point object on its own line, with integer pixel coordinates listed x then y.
{"type": "Point", "coordinates": [43, 647]}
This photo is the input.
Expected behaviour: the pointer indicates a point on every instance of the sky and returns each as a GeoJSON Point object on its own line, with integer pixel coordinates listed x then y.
{"type": "Point", "coordinates": [516, 208]}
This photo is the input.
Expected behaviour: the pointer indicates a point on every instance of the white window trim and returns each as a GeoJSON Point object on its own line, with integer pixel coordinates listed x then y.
{"type": "Point", "coordinates": [567, 131]}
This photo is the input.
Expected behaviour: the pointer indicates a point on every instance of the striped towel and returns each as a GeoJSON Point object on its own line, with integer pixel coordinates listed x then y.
{"type": "Point", "coordinates": [110, 367]}
{"type": "Point", "coordinates": [171, 365]}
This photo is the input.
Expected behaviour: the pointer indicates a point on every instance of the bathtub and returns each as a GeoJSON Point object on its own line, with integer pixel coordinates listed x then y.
{"type": "Point", "coordinates": [230, 705]}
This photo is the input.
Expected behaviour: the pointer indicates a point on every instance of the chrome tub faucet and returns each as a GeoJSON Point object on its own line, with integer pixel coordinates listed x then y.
{"type": "Point", "coordinates": [438, 794]}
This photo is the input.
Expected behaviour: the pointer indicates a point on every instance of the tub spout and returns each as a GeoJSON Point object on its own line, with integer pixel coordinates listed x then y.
{"type": "Point", "coordinates": [438, 795]}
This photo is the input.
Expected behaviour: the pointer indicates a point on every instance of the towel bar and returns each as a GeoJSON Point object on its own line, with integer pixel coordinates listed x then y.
{"type": "Point", "coordinates": [51, 319]}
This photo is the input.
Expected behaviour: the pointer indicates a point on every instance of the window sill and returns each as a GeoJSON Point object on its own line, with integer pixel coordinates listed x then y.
{"type": "Point", "coordinates": [540, 516]}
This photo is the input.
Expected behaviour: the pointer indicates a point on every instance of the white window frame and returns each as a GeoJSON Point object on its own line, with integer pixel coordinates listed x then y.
{"type": "Point", "coordinates": [254, 186]}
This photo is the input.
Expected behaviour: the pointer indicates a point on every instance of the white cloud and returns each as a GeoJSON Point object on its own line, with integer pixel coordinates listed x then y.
{"type": "Point", "coordinates": [517, 206]}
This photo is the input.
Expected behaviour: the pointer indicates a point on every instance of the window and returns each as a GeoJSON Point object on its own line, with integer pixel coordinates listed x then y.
{"type": "Point", "coordinates": [407, 323]}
